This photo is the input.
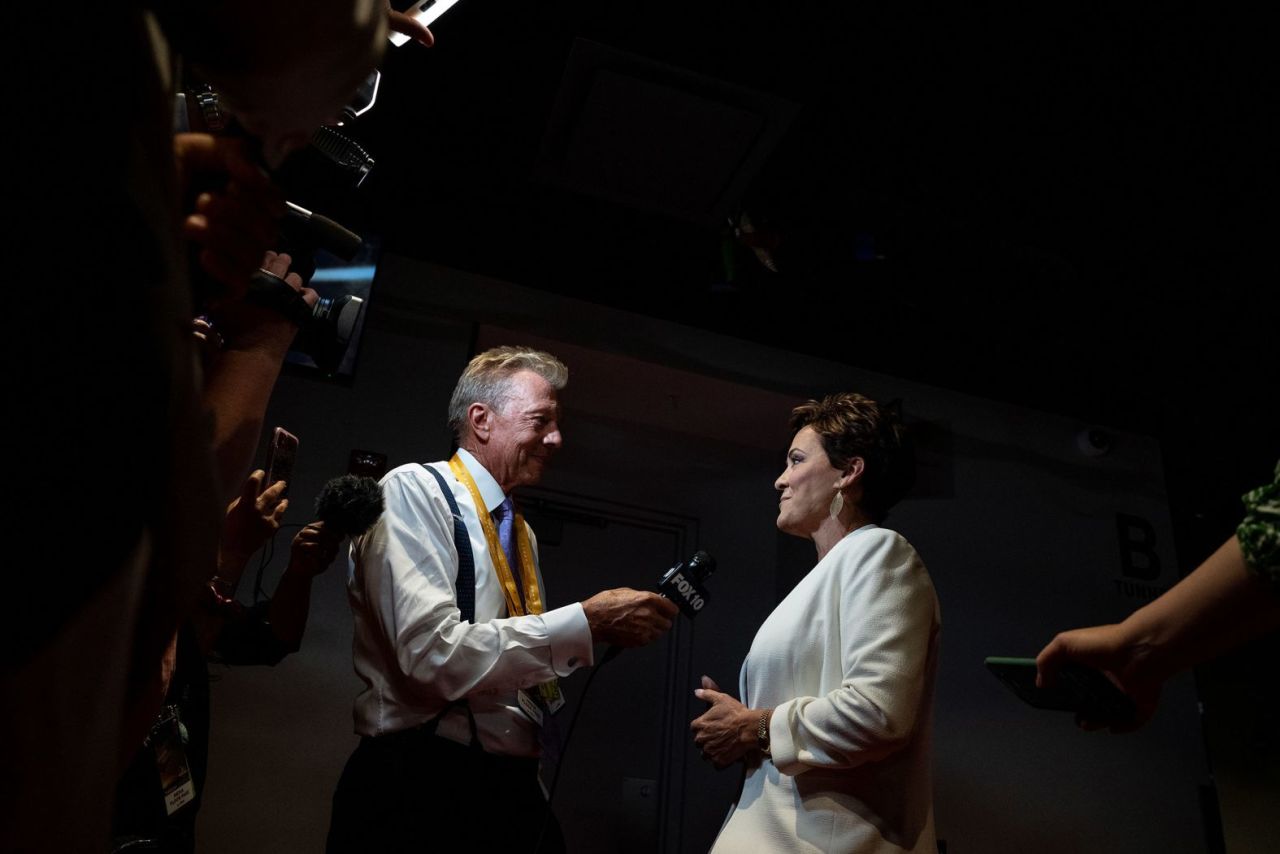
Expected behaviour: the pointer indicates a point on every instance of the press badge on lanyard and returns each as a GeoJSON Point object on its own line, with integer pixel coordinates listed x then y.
{"type": "Point", "coordinates": [168, 741]}
{"type": "Point", "coordinates": [541, 710]}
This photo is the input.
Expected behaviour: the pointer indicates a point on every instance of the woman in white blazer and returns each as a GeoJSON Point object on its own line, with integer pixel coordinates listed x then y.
{"type": "Point", "coordinates": [835, 719]}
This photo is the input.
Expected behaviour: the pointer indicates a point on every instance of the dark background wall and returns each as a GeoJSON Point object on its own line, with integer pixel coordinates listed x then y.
{"type": "Point", "coordinates": [673, 439]}
{"type": "Point", "coordinates": [1025, 221]}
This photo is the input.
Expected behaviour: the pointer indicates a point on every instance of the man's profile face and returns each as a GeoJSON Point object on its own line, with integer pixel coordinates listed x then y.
{"type": "Point", "coordinates": [524, 432]}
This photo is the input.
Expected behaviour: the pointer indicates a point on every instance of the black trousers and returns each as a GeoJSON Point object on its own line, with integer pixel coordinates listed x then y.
{"type": "Point", "coordinates": [414, 791]}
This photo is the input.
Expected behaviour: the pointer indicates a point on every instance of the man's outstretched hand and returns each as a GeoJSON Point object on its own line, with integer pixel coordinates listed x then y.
{"type": "Point", "coordinates": [628, 618]}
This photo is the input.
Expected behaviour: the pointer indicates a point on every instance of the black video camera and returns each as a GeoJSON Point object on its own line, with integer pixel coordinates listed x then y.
{"type": "Point", "coordinates": [328, 170]}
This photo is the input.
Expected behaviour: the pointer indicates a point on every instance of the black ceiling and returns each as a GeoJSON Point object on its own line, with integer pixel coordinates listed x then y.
{"type": "Point", "coordinates": [1063, 207]}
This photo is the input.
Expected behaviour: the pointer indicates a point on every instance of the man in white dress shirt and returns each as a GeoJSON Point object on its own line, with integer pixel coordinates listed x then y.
{"type": "Point", "coordinates": [460, 676]}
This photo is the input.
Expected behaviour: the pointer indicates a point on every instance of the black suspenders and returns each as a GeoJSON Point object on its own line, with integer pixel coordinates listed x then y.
{"type": "Point", "coordinates": [466, 584]}
{"type": "Point", "coordinates": [466, 589]}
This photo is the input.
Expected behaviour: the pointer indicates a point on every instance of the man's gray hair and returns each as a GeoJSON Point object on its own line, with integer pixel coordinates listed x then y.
{"type": "Point", "coordinates": [486, 378]}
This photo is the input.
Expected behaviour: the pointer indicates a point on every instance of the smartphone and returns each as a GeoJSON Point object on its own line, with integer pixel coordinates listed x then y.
{"type": "Point", "coordinates": [1083, 690]}
{"type": "Point", "coordinates": [423, 11]}
{"type": "Point", "coordinates": [280, 458]}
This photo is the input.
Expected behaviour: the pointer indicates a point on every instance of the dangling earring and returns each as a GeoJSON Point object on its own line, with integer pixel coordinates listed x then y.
{"type": "Point", "coordinates": [837, 504]}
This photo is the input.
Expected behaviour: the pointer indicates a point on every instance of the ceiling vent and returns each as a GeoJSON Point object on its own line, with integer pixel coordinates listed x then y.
{"type": "Point", "coordinates": [658, 138]}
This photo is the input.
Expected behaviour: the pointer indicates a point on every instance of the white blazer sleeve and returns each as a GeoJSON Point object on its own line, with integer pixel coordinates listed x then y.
{"type": "Point", "coordinates": [888, 620]}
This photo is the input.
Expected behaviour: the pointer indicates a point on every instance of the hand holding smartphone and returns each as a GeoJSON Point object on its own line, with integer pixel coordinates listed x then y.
{"type": "Point", "coordinates": [280, 458]}
{"type": "Point", "coordinates": [1083, 690]}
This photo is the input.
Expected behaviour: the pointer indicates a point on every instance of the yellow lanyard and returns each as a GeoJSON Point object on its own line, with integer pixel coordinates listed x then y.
{"type": "Point", "coordinates": [532, 597]}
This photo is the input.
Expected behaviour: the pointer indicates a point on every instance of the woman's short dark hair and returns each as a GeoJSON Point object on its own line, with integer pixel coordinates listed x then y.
{"type": "Point", "coordinates": [851, 425]}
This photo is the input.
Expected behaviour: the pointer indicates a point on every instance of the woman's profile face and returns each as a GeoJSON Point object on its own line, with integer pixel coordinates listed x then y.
{"type": "Point", "coordinates": [807, 485]}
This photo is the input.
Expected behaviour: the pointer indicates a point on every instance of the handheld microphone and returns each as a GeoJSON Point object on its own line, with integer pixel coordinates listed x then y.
{"type": "Point", "coordinates": [349, 505]}
{"type": "Point", "coordinates": [682, 584]}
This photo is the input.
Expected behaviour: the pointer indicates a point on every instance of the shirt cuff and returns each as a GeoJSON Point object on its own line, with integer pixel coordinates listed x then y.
{"type": "Point", "coordinates": [782, 747]}
{"type": "Point", "coordinates": [570, 637]}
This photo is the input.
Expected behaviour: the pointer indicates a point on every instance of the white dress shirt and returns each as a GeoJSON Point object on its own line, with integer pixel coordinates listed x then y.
{"type": "Point", "coordinates": [411, 648]}
{"type": "Point", "coordinates": [847, 663]}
